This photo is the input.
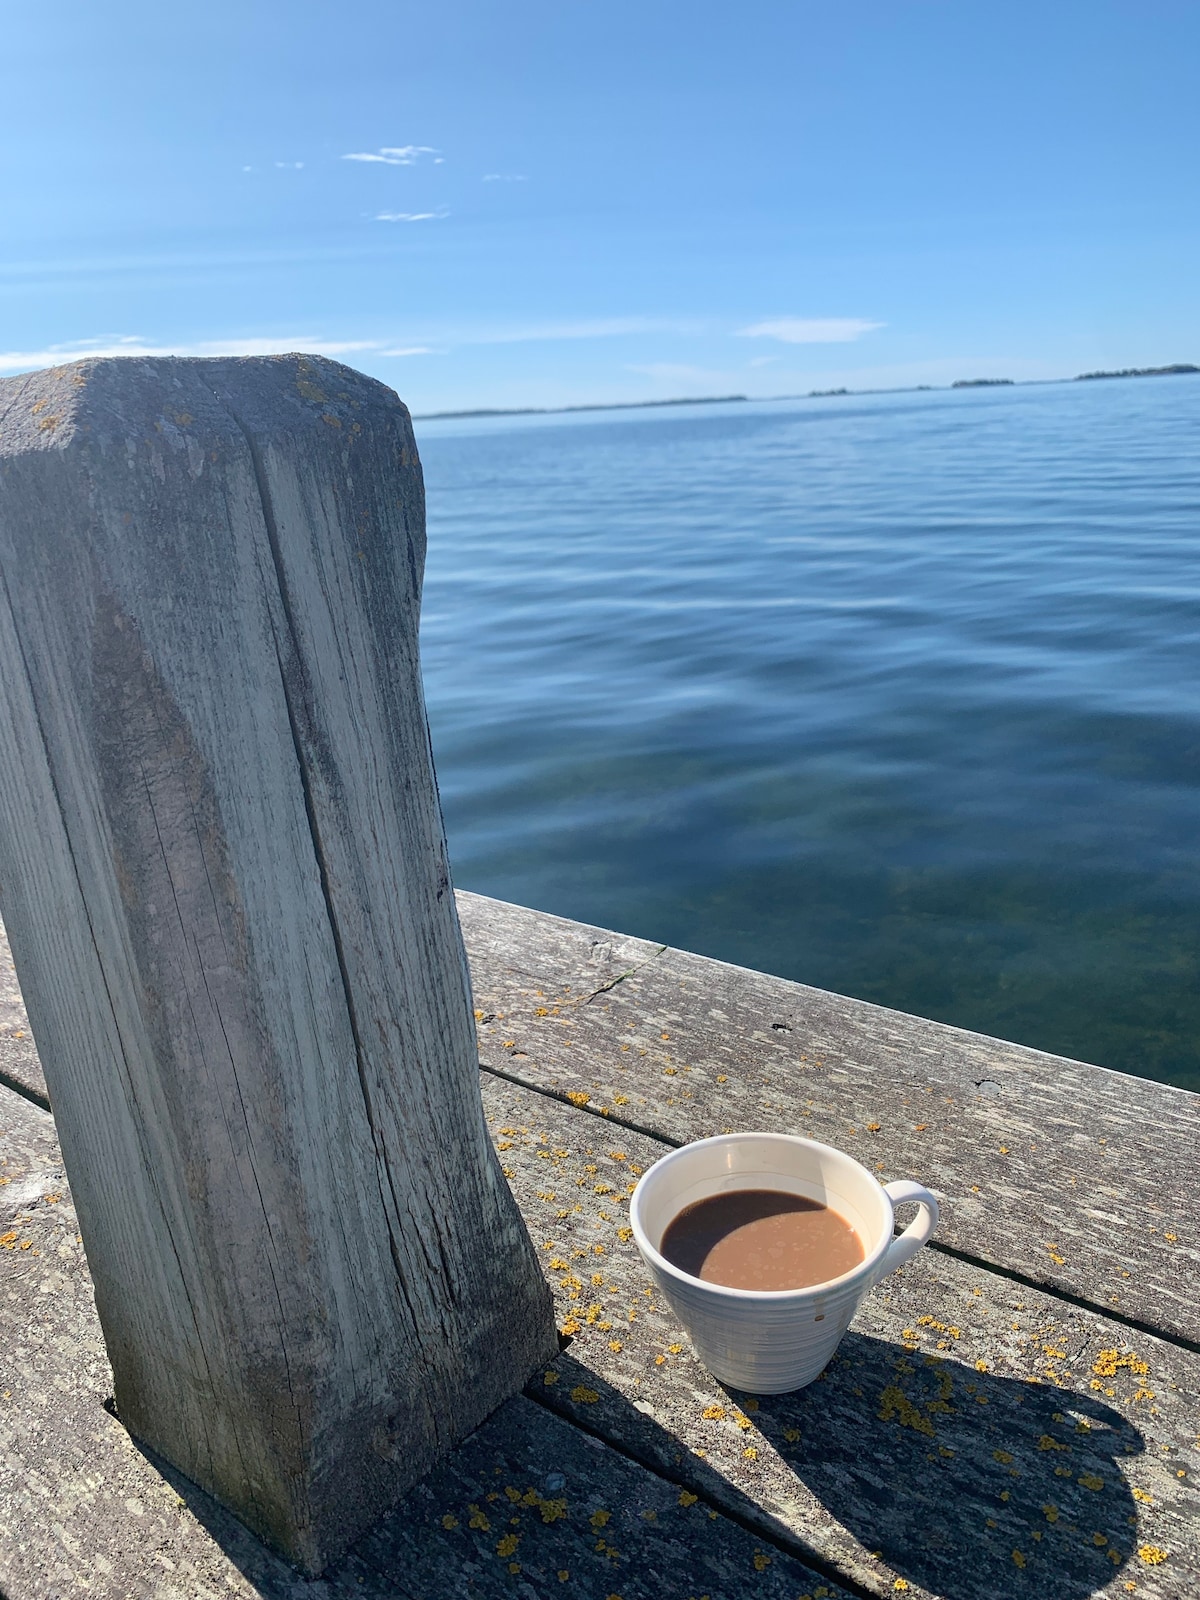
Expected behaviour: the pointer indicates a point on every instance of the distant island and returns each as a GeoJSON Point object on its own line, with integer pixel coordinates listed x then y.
{"type": "Point", "coordinates": [1179, 368]}
{"type": "Point", "coordinates": [557, 411]}
{"type": "Point", "coordinates": [1140, 372]}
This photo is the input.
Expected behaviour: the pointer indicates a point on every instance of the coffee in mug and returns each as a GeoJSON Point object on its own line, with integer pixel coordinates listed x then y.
{"type": "Point", "coordinates": [720, 1225]}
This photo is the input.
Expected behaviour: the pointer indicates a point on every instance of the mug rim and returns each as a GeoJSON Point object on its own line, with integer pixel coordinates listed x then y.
{"type": "Point", "coordinates": [770, 1296]}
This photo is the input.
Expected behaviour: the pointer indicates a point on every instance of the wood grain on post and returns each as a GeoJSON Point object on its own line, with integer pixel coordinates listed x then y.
{"type": "Point", "coordinates": [224, 876]}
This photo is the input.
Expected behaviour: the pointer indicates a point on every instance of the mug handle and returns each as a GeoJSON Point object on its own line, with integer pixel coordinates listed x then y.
{"type": "Point", "coordinates": [905, 1245]}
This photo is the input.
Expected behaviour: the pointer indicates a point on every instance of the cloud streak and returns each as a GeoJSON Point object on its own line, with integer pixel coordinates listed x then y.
{"type": "Point", "coordinates": [396, 155]}
{"type": "Point", "coordinates": [810, 330]}
{"type": "Point", "coordinates": [410, 216]}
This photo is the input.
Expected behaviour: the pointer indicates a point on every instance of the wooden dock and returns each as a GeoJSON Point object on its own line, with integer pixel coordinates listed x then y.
{"type": "Point", "coordinates": [1015, 1414]}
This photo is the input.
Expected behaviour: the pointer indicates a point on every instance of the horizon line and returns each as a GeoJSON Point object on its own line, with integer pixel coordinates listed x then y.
{"type": "Point", "coordinates": [1176, 369]}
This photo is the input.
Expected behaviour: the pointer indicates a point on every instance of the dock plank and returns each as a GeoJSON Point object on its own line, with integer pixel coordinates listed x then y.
{"type": "Point", "coordinates": [528, 1505]}
{"type": "Point", "coordinates": [1075, 1177]}
{"type": "Point", "coordinates": [966, 1421]}
{"type": "Point", "coordinates": [20, 1068]}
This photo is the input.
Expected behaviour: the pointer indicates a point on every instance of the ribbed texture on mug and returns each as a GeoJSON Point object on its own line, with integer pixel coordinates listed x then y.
{"type": "Point", "coordinates": [767, 1344]}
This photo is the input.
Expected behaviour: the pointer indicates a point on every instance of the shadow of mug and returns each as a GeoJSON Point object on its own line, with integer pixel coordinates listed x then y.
{"type": "Point", "coordinates": [974, 1486]}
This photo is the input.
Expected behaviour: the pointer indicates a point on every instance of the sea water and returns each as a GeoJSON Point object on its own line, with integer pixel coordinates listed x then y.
{"type": "Point", "coordinates": [897, 695]}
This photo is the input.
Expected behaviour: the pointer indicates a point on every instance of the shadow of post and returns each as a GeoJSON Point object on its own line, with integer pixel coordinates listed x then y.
{"type": "Point", "coordinates": [963, 1483]}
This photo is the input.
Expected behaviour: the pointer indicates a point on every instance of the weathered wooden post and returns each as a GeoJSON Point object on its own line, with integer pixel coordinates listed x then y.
{"type": "Point", "coordinates": [223, 872]}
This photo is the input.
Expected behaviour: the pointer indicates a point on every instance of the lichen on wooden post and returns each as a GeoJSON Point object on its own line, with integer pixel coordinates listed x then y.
{"type": "Point", "coordinates": [223, 872]}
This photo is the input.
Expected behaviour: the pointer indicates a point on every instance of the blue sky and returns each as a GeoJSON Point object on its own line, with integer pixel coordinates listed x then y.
{"type": "Point", "coordinates": [546, 204]}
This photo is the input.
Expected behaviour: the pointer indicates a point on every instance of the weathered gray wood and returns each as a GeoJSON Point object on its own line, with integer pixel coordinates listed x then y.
{"type": "Point", "coordinates": [224, 879]}
{"type": "Point", "coordinates": [965, 1418]}
{"type": "Point", "coordinates": [858, 1479]}
{"type": "Point", "coordinates": [83, 1512]}
{"type": "Point", "coordinates": [1080, 1179]}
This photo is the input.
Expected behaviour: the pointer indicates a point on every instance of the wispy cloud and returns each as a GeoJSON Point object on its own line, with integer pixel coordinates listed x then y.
{"type": "Point", "coordinates": [411, 350]}
{"type": "Point", "coordinates": [58, 355]}
{"type": "Point", "coordinates": [410, 216]}
{"type": "Point", "coordinates": [678, 372]}
{"type": "Point", "coordinates": [504, 177]}
{"type": "Point", "coordinates": [597, 328]}
{"type": "Point", "coordinates": [290, 166]}
{"type": "Point", "coordinates": [396, 155]}
{"type": "Point", "coordinates": [811, 330]}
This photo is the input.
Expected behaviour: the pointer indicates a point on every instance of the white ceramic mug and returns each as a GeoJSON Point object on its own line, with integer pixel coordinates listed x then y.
{"type": "Point", "coordinates": [771, 1341]}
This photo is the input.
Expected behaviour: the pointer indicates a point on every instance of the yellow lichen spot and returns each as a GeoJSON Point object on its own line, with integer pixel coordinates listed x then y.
{"type": "Point", "coordinates": [571, 1326]}
{"type": "Point", "coordinates": [713, 1413]}
{"type": "Point", "coordinates": [1018, 1558]}
{"type": "Point", "coordinates": [901, 1584]}
{"type": "Point", "coordinates": [578, 1097]}
{"type": "Point", "coordinates": [600, 1519]}
{"type": "Point", "coordinates": [873, 1127]}
{"type": "Point", "coordinates": [1002, 1456]}
{"type": "Point", "coordinates": [761, 1561]}
{"type": "Point", "coordinates": [792, 1435]}
{"type": "Point", "coordinates": [621, 1099]}
{"type": "Point", "coordinates": [981, 1366]}
{"type": "Point", "coordinates": [750, 1453]}
{"type": "Point", "coordinates": [687, 1498]}
{"type": "Point", "coordinates": [514, 1567]}
{"type": "Point", "coordinates": [449, 1521]}
{"type": "Point", "coordinates": [1108, 1362]}
{"type": "Point", "coordinates": [538, 1011]}
{"type": "Point", "coordinates": [1089, 1480]}
{"type": "Point", "coordinates": [1047, 1443]}
{"type": "Point", "coordinates": [624, 1234]}
{"type": "Point", "coordinates": [583, 1396]}
{"type": "Point", "coordinates": [549, 1377]}
{"type": "Point", "coordinates": [563, 1574]}
{"type": "Point", "coordinates": [1050, 1512]}
{"type": "Point", "coordinates": [552, 1510]}
{"type": "Point", "coordinates": [722, 1077]}
{"type": "Point", "coordinates": [1152, 1554]}
{"type": "Point", "coordinates": [478, 1520]}
{"type": "Point", "coordinates": [1099, 1539]}
{"type": "Point", "coordinates": [1140, 1494]}
{"type": "Point", "coordinates": [895, 1406]}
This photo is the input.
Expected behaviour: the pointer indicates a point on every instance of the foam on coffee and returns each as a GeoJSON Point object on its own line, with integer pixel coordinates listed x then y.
{"type": "Point", "coordinates": [761, 1239]}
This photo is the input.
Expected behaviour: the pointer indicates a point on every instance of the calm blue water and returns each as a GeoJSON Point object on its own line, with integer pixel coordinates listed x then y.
{"type": "Point", "coordinates": [895, 695]}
